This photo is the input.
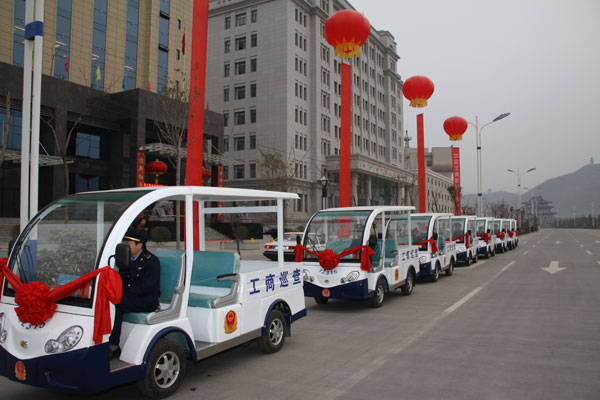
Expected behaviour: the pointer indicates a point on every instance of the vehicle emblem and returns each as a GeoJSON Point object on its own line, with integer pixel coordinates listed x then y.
{"type": "Point", "coordinates": [230, 322]}
{"type": "Point", "coordinates": [326, 292]}
{"type": "Point", "coordinates": [24, 343]}
{"type": "Point", "coordinates": [20, 372]}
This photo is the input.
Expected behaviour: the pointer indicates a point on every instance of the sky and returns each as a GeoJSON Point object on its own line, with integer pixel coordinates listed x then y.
{"type": "Point", "coordinates": [537, 59]}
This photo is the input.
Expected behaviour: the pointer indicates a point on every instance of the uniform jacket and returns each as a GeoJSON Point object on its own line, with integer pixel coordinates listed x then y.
{"type": "Point", "coordinates": [142, 279]}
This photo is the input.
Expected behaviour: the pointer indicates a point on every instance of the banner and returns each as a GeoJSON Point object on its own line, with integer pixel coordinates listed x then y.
{"type": "Point", "coordinates": [220, 184]}
{"type": "Point", "coordinates": [456, 178]}
{"type": "Point", "coordinates": [141, 165]}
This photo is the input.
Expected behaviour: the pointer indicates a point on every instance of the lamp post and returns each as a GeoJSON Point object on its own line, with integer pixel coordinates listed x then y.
{"type": "Point", "coordinates": [478, 138]}
{"type": "Point", "coordinates": [519, 174]}
{"type": "Point", "coordinates": [324, 181]}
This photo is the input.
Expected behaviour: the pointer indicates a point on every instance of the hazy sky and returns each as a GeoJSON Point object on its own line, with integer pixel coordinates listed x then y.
{"type": "Point", "coordinates": [537, 59]}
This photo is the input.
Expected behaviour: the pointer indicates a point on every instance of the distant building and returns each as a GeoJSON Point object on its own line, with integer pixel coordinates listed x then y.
{"type": "Point", "coordinates": [540, 208]}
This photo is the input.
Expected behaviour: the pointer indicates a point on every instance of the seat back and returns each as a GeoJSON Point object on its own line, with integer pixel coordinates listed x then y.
{"type": "Point", "coordinates": [169, 272]}
{"type": "Point", "coordinates": [210, 264]}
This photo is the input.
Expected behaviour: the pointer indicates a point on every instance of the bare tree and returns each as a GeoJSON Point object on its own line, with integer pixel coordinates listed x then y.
{"type": "Point", "coordinates": [171, 120]}
{"type": "Point", "coordinates": [455, 193]}
{"type": "Point", "coordinates": [62, 142]}
{"type": "Point", "coordinates": [276, 173]}
{"type": "Point", "coordinates": [5, 128]}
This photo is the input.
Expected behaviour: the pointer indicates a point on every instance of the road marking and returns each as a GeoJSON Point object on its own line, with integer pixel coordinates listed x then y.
{"type": "Point", "coordinates": [557, 242]}
{"type": "Point", "coordinates": [344, 386]}
{"type": "Point", "coordinates": [589, 252]}
{"type": "Point", "coordinates": [475, 265]}
{"type": "Point", "coordinates": [525, 252]}
{"type": "Point", "coordinates": [597, 241]}
{"type": "Point", "coordinates": [553, 268]}
{"type": "Point", "coordinates": [533, 246]}
{"type": "Point", "coordinates": [581, 245]}
{"type": "Point", "coordinates": [598, 262]}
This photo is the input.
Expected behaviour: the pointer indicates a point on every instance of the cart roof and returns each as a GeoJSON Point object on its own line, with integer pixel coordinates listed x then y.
{"type": "Point", "coordinates": [208, 193]}
{"type": "Point", "coordinates": [372, 208]}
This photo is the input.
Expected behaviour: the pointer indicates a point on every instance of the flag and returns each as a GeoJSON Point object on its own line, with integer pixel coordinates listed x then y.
{"type": "Point", "coordinates": [98, 75]}
{"type": "Point", "coordinates": [183, 43]}
{"type": "Point", "coordinates": [149, 88]}
{"type": "Point", "coordinates": [67, 63]}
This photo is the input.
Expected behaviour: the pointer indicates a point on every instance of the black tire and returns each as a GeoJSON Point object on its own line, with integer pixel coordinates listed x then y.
{"type": "Point", "coordinates": [475, 257]}
{"type": "Point", "coordinates": [377, 300]}
{"type": "Point", "coordinates": [492, 252]}
{"type": "Point", "coordinates": [450, 269]}
{"type": "Point", "coordinates": [274, 338]}
{"type": "Point", "coordinates": [409, 285]}
{"type": "Point", "coordinates": [436, 273]}
{"type": "Point", "coordinates": [321, 300]}
{"type": "Point", "coordinates": [165, 370]}
{"type": "Point", "coordinates": [467, 260]}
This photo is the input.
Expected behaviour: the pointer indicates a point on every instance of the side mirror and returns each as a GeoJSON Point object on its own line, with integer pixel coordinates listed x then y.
{"type": "Point", "coordinates": [122, 256]}
{"type": "Point", "coordinates": [372, 241]}
{"type": "Point", "coordinates": [489, 231]}
{"type": "Point", "coordinates": [434, 236]}
{"type": "Point", "coordinates": [470, 233]}
{"type": "Point", "coordinates": [298, 239]}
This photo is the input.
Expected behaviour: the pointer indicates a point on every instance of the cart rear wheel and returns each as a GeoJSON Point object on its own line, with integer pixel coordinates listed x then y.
{"type": "Point", "coordinates": [165, 370]}
{"type": "Point", "coordinates": [409, 285]}
{"type": "Point", "coordinates": [274, 337]}
{"type": "Point", "coordinates": [450, 269]}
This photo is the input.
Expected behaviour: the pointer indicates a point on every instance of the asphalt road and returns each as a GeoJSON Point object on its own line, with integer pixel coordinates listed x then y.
{"type": "Point", "coordinates": [503, 328]}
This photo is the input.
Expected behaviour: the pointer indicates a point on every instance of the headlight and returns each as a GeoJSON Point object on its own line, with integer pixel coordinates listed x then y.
{"type": "Point", "coordinates": [66, 341]}
{"type": "Point", "coordinates": [351, 277]}
{"type": "Point", "coordinates": [422, 259]}
{"type": "Point", "coordinates": [461, 249]}
{"type": "Point", "coordinates": [3, 332]}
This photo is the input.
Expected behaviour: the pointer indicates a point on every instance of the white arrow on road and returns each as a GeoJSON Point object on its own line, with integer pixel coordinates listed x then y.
{"type": "Point", "coordinates": [553, 267]}
{"type": "Point", "coordinates": [557, 242]}
{"type": "Point", "coordinates": [597, 241]}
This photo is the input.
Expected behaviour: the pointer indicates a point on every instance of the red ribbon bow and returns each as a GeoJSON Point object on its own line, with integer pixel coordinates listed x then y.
{"type": "Point", "coordinates": [434, 248]}
{"type": "Point", "coordinates": [328, 260]}
{"type": "Point", "coordinates": [485, 237]}
{"type": "Point", "coordinates": [510, 234]}
{"type": "Point", "coordinates": [36, 302]}
{"type": "Point", "coordinates": [501, 234]}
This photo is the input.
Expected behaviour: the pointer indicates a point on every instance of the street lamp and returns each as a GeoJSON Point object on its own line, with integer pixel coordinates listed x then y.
{"type": "Point", "coordinates": [519, 174]}
{"type": "Point", "coordinates": [478, 137]}
{"type": "Point", "coordinates": [324, 181]}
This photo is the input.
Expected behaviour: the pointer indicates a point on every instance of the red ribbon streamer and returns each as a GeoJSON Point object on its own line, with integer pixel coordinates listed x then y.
{"type": "Point", "coordinates": [328, 260]}
{"type": "Point", "coordinates": [434, 248]}
{"type": "Point", "coordinates": [485, 237]}
{"type": "Point", "coordinates": [501, 234]}
{"type": "Point", "coordinates": [510, 234]}
{"type": "Point", "coordinates": [37, 302]}
{"type": "Point", "coordinates": [465, 236]}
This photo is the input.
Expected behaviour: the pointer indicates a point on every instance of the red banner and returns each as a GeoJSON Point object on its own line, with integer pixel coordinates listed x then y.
{"type": "Point", "coordinates": [456, 178]}
{"type": "Point", "coordinates": [141, 165]}
{"type": "Point", "coordinates": [220, 184]}
{"type": "Point", "coordinates": [421, 163]}
{"type": "Point", "coordinates": [346, 135]}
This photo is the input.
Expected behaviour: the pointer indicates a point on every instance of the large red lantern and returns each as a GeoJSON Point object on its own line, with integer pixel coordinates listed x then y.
{"type": "Point", "coordinates": [156, 168]}
{"type": "Point", "coordinates": [455, 127]}
{"type": "Point", "coordinates": [418, 89]}
{"type": "Point", "coordinates": [346, 31]}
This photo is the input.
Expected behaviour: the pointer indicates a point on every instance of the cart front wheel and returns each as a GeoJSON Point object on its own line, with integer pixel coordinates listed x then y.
{"type": "Point", "coordinates": [166, 369]}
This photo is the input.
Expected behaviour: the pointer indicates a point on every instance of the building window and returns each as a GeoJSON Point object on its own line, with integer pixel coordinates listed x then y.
{"type": "Point", "coordinates": [226, 145]}
{"type": "Point", "coordinates": [14, 129]}
{"type": "Point", "coordinates": [253, 65]}
{"type": "Point", "coordinates": [226, 70]}
{"type": "Point", "coordinates": [238, 172]}
{"type": "Point", "coordinates": [252, 142]}
{"type": "Point", "coordinates": [98, 44]}
{"type": "Point", "coordinates": [240, 67]}
{"type": "Point", "coordinates": [87, 145]}
{"type": "Point", "coordinates": [163, 61]}
{"type": "Point", "coordinates": [240, 19]}
{"type": "Point", "coordinates": [252, 170]}
{"type": "Point", "coordinates": [239, 143]}
{"type": "Point", "coordinates": [225, 119]}
{"type": "Point", "coordinates": [253, 40]}
{"type": "Point", "coordinates": [63, 39]}
{"type": "Point", "coordinates": [254, 15]}
{"type": "Point", "coordinates": [227, 46]}
{"type": "Point", "coordinates": [253, 90]}
{"type": "Point", "coordinates": [227, 22]}
{"type": "Point", "coordinates": [226, 94]}
{"type": "Point", "coordinates": [239, 117]}
{"type": "Point", "coordinates": [240, 92]}
{"type": "Point", "coordinates": [225, 172]}
{"type": "Point", "coordinates": [240, 43]}
{"type": "Point", "coordinates": [253, 115]}
{"type": "Point", "coordinates": [19, 33]}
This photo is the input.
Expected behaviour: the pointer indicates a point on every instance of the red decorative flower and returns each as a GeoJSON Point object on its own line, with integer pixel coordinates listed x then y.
{"type": "Point", "coordinates": [328, 259]}
{"type": "Point", "coordinates": [33, 304]}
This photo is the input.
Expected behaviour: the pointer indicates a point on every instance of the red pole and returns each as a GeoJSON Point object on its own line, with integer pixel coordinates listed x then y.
{"type": "Point", "coordinates": [421, 163]}
{"type": "Point", "coordinates": [195, 142]}
{"type": "Point", "coordinates": [346, 135]}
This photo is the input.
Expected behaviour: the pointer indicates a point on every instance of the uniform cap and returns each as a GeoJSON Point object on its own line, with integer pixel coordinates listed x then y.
{"type": "Point", "coordinates": [135, 236]}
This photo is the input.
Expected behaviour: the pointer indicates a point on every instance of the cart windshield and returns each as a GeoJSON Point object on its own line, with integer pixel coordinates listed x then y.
{"type": "Point", "coordinates": [336, 230]}
{"type": "Point", "coordinates": [65, 240]}
{"type": "Point", "coordinates": [480, 226]}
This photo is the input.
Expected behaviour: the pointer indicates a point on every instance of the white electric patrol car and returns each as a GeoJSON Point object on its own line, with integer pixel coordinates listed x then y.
{"type": "Point", "coordinates": [437, 251]}
{"type": "Point", "coordinates": [210, 301]}
{"type": "Point", "coordinates": [339, 266]}
{"type": "Point", "coordinates": [467, 243]}
{"type": "Point", "coordinates": [487, 239]}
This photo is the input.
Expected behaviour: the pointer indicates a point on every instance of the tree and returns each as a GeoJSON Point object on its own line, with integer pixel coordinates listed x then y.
{"type": "Point", "coordinates": [455, 193]}
{"type": "Point", "coordinates": [171, 110]}
{"type": "Point", "coordinates": [276, 173]}
{"type": "Point", "coordinates": [62, 142]}
{"type": "Point", "coordinates": [5, 128]}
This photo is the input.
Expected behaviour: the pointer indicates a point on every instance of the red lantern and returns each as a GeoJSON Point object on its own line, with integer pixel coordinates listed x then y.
{"type": "Point", "coordinates": [455, 127]}
{"type": "Point", "coordinates": [418, 89]}
{"type": "Point", "coordinates": [346, 31]}
{"type": "Point", "coordinates": [156, 168]}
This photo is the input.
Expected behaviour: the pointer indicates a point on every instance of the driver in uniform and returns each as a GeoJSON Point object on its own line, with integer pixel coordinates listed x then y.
{"type": "Point", "coordinates": [141, 285]}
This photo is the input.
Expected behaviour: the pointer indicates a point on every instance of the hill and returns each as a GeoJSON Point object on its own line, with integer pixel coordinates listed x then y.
{"type": "Point", "coordinates": [571, 194]}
